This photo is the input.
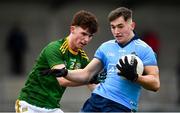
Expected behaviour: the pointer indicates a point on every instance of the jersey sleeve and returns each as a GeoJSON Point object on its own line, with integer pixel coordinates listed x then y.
{"type": "Point", "coordinates": [149, 58]}
{"type": "Point", "coordinates": [53, 55]}
{"type": "Point", "coordinates": [99, 54]}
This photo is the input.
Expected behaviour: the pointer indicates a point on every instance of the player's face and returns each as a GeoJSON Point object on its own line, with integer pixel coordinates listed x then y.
{"type": "Point", "coordinates": [81, 37]}
{"type": "Point", "coordinates": [122, 30]}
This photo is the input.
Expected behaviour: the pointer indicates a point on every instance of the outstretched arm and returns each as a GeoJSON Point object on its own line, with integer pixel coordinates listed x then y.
{"type": "Point", "coordinates": [63, 81]}
{"type": "Point", "coordinates": [82, 76]}
{"type": "Point", "coordinates": [85, 75]}
{"type": "Point", "coordinates": [67, 83]}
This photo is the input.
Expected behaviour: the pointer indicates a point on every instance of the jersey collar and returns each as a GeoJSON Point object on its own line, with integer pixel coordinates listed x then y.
{"type": "Point", "coordinates": [70, 50]}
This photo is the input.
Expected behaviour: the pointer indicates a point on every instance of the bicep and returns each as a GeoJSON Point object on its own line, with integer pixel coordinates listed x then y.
{"type": "Point", "coordinates": [151, 70]}
{"type": "Point", "coordinates": [150, 80]}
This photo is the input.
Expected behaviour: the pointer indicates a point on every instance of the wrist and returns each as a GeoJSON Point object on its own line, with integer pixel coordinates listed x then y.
{"type": "Point", "coordinates": [62, 72]}
{"type": "Point", "coordinates": [65, 72]}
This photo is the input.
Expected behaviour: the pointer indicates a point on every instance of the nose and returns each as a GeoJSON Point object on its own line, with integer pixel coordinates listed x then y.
{"type": "Point", "coordinates": [87, 38]}
{"type": "Point", "coordinates": [116, 31]}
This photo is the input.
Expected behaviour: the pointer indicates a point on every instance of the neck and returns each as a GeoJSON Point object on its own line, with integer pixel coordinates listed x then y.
{"type": "Point", "coordinates": [71, 44]}
{"type": "Point", "coordinates": [131, 36]}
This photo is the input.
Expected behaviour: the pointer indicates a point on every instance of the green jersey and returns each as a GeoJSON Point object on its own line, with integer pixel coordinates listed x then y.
{"type": "Point", "coordinates": [45, 91]}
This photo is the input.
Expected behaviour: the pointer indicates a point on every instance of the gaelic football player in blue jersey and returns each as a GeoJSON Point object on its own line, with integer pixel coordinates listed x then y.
{"type": "Point", "coordinates": [121, 91]}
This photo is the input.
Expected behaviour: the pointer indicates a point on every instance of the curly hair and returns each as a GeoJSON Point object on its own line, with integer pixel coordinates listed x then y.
{"type": "Point", "coordinates": [86, 20]}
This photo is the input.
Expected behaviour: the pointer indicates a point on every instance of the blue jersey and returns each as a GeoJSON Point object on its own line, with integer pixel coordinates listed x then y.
{"type": "Point", "coordinates": [115, 87]}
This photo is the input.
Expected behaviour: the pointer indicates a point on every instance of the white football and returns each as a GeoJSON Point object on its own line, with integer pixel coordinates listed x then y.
{"type": "Point", "coordinates": [140, 66]}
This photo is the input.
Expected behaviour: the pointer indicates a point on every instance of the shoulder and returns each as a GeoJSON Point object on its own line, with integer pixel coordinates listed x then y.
{"type": "Point", "coordinates": [55, 43]}
{"type": "Point", "coordinates": [141, 43]}
{"type": "Point", "coordinates": [104, 47]}
{"type": "Point", "coordinates": [143, 50]}
{"type": "Point", "coordinates": [58, 45]}
{"type": "Point", "coordinates": [60, 42]}
{"type": "Point", "coordinates": [142, 47]}
{"type": "Point", "coordinates": [108, 43]}
{"type": "Point", "coordinates": [54, 46]}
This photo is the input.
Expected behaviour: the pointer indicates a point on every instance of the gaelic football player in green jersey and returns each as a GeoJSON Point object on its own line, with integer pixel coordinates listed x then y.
{"type": "Point", "coordinates": [43, 93]}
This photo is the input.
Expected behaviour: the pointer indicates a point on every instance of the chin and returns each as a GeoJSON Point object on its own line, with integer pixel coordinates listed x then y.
{"type": "Point", "coordinates": [119, 41]}
{"type": "Point", "coordinates": [80, 47]}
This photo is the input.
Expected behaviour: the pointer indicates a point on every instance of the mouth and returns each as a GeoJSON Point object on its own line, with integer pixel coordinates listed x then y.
{"type": "Point", "coordinates": [118, 36]}
{"type": "Point", "coordinates": [83, 44]}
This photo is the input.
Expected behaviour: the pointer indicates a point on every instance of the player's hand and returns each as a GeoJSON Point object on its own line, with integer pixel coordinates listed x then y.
{"type": "Point", "coordinates": [128, 70]}
{"type": "Point", "coordinates": [57, 72]}
{"type": "Point", "coordinates": [96, 79]}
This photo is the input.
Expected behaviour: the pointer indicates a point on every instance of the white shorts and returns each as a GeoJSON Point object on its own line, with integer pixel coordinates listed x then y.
{"type": "Point", "coordinates": [24, 107]}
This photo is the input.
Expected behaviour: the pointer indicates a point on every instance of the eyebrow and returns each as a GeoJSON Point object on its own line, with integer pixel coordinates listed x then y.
{"type": "Point", "coordinates": [116, 25]}
{"type": "Point", "coordinates": [86, 33]}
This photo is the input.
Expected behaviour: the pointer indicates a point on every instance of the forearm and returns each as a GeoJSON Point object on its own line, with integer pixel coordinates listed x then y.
{"type": "Point", "coordinates": [149, 82]}
{"type": "Point", "coordinates": [79, 76]}
{"type": "Point", "coordinates": [66, 83]}
{"type": "Point", "coordinates": [86, 74]}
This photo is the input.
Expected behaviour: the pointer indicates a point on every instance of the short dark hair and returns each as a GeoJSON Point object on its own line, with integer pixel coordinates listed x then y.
{"type": "Point", "coordinates": [118, 12]}
{"type": "Point", "coordinates": [86, 20]}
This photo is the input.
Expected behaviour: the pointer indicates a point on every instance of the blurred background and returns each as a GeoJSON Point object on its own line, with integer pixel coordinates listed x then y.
{"type": "Point", "coordinates": [26, 26]}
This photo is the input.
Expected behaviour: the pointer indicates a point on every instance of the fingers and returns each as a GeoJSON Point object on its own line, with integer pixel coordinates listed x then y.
{"type": "Point", "coordinates": [54, 71]}
{"type": "Point", "coordinates": [57, 72]}
{"type": "Point", "coordinates": [121, 63]}
{"type": "Point", "coordinates": [45, 72]}
{"type": "Point", "coordinates": [126, 60]}
{"type": "Point", "coordinates": [117, 65]}
{"type": "Point", "coordinates": [135, 62]}
{"type": "Point", "coordinates": [119, 68]}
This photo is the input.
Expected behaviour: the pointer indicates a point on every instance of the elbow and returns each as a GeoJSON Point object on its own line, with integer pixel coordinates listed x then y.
{"type": "Point", "coordinates": [153, 86]}
{"type": "Point", "coordinates": [156, 87]}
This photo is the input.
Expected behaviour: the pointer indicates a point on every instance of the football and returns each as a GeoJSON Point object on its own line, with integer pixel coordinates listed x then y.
{"type": "Point", "coordinates": [140, 66]}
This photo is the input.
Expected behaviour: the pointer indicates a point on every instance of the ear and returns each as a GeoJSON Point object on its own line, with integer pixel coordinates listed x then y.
{"type": "Point", "coordinates": [72, 28]}
{"type": "Point", "coordinates": [133, 25]}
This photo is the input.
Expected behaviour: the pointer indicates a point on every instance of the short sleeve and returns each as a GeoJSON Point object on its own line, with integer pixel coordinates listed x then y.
{"type": "Point", "coordinates": [149, 57]}
{"type": "Point", "coordinates": [53, 55]}
{"type": "Point", "coordinates": [99, 54]}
